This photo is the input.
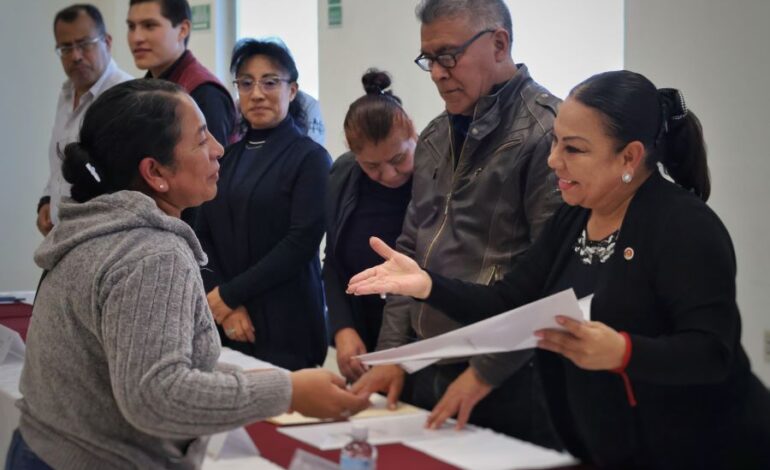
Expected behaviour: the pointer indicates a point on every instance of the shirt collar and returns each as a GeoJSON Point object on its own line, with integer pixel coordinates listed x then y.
{"type": "Point", "coordinates": [96, 88]}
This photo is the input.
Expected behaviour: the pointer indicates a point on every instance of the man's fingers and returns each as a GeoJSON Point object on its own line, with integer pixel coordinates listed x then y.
{"type": "Point", "coordinates": [361, 385]}
{"type": "Point", "coordinates": [394, 391]}
{"type": "Point", "coordinates": [441, 413]}
{"type": "Point", "coordinates": [464, 415]}
{"type": "Point", "coordinates": [354, 403]}
{"type": "Point", "coordinates": [357, 367]}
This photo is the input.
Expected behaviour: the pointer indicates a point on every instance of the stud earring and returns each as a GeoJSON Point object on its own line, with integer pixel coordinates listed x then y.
{"type": "Point", "coordinates": [627, 177]}
{"type": "Point", "coordinates": [162, 186]}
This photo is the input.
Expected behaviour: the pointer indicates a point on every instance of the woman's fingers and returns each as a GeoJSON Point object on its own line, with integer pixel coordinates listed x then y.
{"type": "Point", "coordinates": [361, 277]}
{"type": "Point", "coordinates": [381, 248]}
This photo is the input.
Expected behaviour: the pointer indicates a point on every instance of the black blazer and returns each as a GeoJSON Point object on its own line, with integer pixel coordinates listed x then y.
{"type": "Point", "coordinates": [341, 199]}
{"type": "Point", "coordinates": [261, 234]}
{"type": "Point", "coordinates": [699, 405]}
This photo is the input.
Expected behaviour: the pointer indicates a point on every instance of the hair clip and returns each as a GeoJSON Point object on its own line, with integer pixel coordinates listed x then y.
{"type": "Point", "coordinates": [93, 172]}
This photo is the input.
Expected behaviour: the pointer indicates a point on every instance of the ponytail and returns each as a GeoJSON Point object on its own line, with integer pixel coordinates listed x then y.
{"type": "Point", "coordinates": [682, 148]}
{"type": "Point", "coordinates": [371, 117]}
{"type": "Point", "coordinates": [636, 111]}
{"type": "Point", "coordinates": [79, 170]}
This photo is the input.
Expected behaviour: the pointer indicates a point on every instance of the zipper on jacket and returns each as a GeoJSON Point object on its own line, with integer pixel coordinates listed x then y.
{"type": "Point", "coordinates": [444, 221]}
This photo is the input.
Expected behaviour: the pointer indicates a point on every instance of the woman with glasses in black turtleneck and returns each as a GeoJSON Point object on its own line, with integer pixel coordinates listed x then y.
{"type": "Point", "coordinates": [263, 230]}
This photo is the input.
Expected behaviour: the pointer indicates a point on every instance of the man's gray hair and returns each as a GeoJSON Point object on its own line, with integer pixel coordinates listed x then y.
{"type": "Point", "coordinates": [487, 13]}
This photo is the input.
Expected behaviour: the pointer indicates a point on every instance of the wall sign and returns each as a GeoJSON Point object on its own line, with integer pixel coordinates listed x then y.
{"type": "Point", "coordinates": [201, 17]}
{"type": "Point", "coordinates": [335, 13]}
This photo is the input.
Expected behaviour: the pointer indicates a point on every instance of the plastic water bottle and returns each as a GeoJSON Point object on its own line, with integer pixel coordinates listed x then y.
{"type": "Point", "coordinates": [358, 454]}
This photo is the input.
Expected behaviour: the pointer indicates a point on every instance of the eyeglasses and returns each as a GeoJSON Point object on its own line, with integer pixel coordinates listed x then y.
{"type": "Point", "coordinates": [84, 46]}
{"type": "Point", "coordinates": [447, 59]}
{"type": "Point", "coordinates": [245, 85]}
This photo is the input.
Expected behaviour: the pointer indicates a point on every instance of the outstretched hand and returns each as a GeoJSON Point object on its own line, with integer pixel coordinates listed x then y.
{"type": "Point", "coordinates": [399, 274]}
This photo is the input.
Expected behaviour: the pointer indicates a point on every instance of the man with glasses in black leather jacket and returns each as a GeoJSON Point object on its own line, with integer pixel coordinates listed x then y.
{"type": "Point", "coordinates": [482, 191]}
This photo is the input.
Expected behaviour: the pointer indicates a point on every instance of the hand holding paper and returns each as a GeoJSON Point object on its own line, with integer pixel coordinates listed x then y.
{"type": "Point", "coordinates": [589, 345]}
{"type": "Point", "coordinates": [509, 331]}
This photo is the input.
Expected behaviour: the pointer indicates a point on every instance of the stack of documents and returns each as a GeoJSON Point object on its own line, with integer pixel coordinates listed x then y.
{"type": "Point", "coordinates": [510, 331]}
{"type": "Point", "coordinates": [487, 450]}
{"type": "Point", "coordinates": [472, 447]}
{"type": "Point", "coordinates": [383, 430]}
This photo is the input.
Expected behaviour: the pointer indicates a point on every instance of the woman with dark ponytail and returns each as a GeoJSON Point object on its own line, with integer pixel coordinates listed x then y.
{"type": "Point", "coordinates": [658, 378]}
{"type": "Point", "coordinates": [263, 231]}
{"type": "Point", "coordinates": [121, 361]}
{"type": "Point", "coordinates": [369, 189]}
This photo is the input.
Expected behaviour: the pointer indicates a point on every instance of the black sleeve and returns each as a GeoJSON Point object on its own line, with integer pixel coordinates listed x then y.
{"type": "Point", "coordinates": [301, 242]}
{"type": "Point", "coordinates": [467, 302]}
{"type": "Point", "coordinates": [694, 279]}
{"type": "Point", "coordinates": [338, 302]}
{"type": "Point", "coordinates": [217, 108]}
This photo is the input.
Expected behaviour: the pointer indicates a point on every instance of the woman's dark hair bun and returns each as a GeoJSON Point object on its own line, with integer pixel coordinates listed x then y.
{"type": "Point", "coordinates": [375, 81]}
{"type": "Point", "coordinates": [75, 169]}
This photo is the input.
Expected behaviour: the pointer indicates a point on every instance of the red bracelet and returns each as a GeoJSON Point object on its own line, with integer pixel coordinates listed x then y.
{"type": "Point", "coordinates": [622, 370]}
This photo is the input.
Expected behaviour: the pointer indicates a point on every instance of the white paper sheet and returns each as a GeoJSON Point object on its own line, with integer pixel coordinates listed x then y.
{"type": "Point", "coordinates": [303, 460]}
{"type": "Point", "coordinates": [23, 296]}
{"type": "Point", "coordinates": [385, 430]}
{"type": "Point", "coordinates": [509, 331]}
{"type": "Point", "coordinates": [247, 463]}
{"type": "Point", "coordinates": [231, 444]}
{"type": "Point", "coordinates": [487, 450]}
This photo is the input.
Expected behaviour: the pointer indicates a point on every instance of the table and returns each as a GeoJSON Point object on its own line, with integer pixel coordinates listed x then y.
{"type": "Point", "coordinates": [279, 449]}
{"type": "Point", "coordinates": [273, 445]}
{"type": "Point", "coordinates": [16, 316]}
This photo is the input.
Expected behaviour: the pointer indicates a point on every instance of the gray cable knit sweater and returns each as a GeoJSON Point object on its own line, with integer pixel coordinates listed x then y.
{"type": "Point", "coordinates": [122, 348]}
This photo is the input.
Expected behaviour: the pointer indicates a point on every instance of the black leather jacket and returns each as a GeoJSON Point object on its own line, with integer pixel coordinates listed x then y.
{"type": "Point", "coordinates": [472, 222]}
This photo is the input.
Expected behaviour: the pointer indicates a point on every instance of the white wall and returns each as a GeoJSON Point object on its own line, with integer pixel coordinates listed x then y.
{"type": "Point", "coordinates": [717, 53]}
{"type": "Point", "coordinates": [32, 77]}
{"type": "Point", "coordinates": [371, 35]}
{"type": "Point", "coordinates": [299, 30]}
{"type": "Point", "coordinates": [569, 43]}
{"type": "Point", "coordinates": [564, 42]}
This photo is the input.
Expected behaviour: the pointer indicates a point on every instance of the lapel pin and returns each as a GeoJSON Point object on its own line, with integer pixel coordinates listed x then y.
{"type": "Point", "coordinates": [628, 253]}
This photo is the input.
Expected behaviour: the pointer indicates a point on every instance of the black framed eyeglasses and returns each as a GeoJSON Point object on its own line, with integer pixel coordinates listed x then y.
{"type": "Point", "coordinates": [84, 46]}
{"type": "Point", "coordinates": [245, 85]}
{"type": "Point", "coordinates": [447, 59]}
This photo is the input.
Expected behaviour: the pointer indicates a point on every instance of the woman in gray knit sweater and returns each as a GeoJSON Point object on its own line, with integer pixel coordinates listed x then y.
{"type": "Point", "coordinates": [121, 367]}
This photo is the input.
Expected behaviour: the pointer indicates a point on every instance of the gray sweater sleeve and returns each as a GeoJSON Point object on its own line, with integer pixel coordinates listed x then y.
{"type": "Point", "coordinates": [157, 332]}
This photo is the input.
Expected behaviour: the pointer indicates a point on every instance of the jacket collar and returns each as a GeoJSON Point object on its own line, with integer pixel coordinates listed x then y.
{"type": "Point", "coordinates": [186, 57]}
{"type": "Point", "coordinates": [486, 114]}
